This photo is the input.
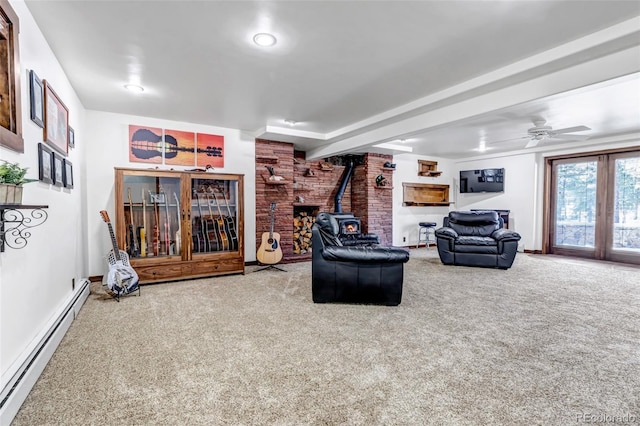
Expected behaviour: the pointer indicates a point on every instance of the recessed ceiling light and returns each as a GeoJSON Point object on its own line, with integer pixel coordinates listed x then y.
{"type": "Point", "coordinates": [134, 88]}
{"type": "Point", "coordinates": [290, 122]}
{"type": "Point", "coordinates": [264, 39]}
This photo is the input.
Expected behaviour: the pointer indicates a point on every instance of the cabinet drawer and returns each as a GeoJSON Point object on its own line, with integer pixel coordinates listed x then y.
{"type": "Point", "coordinates": [163, 272]}
{"type": "Point", "coordinates": [217, 267]}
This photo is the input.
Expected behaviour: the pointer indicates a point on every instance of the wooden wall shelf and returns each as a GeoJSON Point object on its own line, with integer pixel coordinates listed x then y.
{"type": "Point", "coordinates": [425, 194]}
{"type": "Point", "coordinates": [430, 174]}
{"type": "Point", "coordinates": [428, 168]}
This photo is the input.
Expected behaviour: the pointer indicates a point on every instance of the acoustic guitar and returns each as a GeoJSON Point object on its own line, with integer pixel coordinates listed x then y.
{"type": "Point", "coordinates": [270, 252]}
{"type": "Point", "coordinates": [121, 278]}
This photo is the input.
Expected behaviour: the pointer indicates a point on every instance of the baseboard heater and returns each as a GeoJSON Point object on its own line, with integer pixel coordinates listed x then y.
{"type": "Point", "coordinates": [18, 387]}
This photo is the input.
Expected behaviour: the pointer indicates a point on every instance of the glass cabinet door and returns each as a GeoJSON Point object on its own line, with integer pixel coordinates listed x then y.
{"type": "Point", "coordinates": [214, 215]}
{"type": "Point", "coordinates": [152, 215]}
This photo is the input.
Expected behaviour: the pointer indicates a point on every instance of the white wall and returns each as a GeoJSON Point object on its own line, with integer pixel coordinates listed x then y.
{"type": "Point", "coordinates": [519, 196]}
{"type": "Point", "coordinates": [35, 282]}
{"type": "Point", "coordinates": [108, 147]}
{"type": "Point", "coordinates": [406, 219]}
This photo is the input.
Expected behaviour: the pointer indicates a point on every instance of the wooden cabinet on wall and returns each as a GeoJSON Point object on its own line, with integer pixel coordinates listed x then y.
{"type": "Point", "coordinates": [178, 225]}
{"type": "Point", "coordinates": [425, 194]}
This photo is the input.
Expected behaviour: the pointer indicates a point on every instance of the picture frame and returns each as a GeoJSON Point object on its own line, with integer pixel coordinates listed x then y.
{"type": "Point", "coordinates": [57, 169]}
{"type": "Point", "coordinates": [36, 96]}
{"type": "Point", "coordinates": [45, 163]}
{"type": "Point", "coordinates": [56, 120]}
{"type": "Point", "coordinates": [72, 137]}
{"type": "Point", "coordinates": [67, 173]}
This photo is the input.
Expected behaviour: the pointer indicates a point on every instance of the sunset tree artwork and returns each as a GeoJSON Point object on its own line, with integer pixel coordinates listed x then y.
{"type": "Point", "coordinates": [175, 147]}
{"type": "Point", "coordinates": [210, 150]}
{"type": "Point", "coordinates": [179, 148]}
{"type": "Point", "coordinates": [145, 144]}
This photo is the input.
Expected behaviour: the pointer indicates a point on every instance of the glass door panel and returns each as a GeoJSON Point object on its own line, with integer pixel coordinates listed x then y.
{"type": "Point", "coordinates": [624, 241]}
{"type": "Point", "coordinates": [575, 206]}
{"type": "Point", "coordinates": [214, 215]}
{"type": "Point", "coordinates": [151, 212]}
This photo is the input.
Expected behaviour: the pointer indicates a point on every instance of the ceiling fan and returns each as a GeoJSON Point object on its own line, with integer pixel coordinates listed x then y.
{"type": "Point", "coordinates": [541, 132]}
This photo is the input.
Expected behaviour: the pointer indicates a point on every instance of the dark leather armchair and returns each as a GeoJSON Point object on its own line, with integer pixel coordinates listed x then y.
{"type": "Point", "coordinates": [476, 238]}
{"type": "Point", "coordinates": [354, 274]}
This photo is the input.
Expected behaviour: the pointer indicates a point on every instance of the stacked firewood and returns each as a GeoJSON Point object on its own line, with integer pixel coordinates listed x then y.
{"type": "Point", "coordinates": [302, 224]}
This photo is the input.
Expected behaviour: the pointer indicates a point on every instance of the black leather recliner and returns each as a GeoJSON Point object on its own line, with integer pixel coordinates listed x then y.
{"type": "Point", "coordinates": [354, 274]}
{"type": "Point", "coordinates": [476, 238]}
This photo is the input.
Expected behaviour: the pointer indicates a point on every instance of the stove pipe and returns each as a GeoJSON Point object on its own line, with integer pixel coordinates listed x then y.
{"type": "Point", "coordinates": [343, 185]}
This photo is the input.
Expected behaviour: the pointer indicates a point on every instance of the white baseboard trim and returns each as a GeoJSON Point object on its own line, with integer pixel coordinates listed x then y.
{"type": "Point", "coordinates": [17, 389]}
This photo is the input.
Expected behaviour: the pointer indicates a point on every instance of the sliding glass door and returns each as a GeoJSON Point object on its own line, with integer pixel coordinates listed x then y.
{"type": "Point", "coordinates": [594, 208]}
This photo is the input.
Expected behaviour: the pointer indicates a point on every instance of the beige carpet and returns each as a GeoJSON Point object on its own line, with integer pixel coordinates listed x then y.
{"type": "Point", "coordinates": [544, 342]}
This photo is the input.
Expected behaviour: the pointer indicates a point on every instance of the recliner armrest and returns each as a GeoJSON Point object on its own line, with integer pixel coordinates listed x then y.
{"type": "Point", "coordinates": [365, 254]}
{"type": "Point", "coordinates": [445, 232]}
{"type": "Point", "coordinates": [505, 235]}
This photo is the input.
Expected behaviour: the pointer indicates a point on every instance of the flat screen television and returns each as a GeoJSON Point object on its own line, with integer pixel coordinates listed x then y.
{"type": "Point", "coordinates": [483, 180]}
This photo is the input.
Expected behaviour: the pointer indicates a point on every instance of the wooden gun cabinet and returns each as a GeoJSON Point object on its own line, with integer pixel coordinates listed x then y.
{"type": "Point", "coordinates": [179, 224]}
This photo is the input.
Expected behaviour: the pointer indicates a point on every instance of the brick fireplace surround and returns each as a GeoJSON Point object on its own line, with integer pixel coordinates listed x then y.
{"type": "Point", "coordinates": [317, 189]}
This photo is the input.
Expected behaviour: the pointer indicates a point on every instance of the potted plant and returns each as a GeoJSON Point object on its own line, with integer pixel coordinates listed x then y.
{"type": "Point", "coordinates": [12, 177]}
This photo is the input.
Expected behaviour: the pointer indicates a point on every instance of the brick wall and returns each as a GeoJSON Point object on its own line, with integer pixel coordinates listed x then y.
{"type": "Point", "coordinates": [318, 191]}
{"type": "Point", "coordinates": [372, 204]}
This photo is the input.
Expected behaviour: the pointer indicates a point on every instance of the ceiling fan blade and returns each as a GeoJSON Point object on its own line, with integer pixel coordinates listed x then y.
{"type": "Point", "coordinates": [569, 137]}
{"type": "Point", "coordinates": [532, 143]}
{"type": "Point", "coordinates": [571, 129]}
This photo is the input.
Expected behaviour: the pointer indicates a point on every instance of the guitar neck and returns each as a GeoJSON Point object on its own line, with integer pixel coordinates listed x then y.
{"type": "Point", "coordinates": [217, 204]}
{"type": "Point", "coordinates": [272, 222]}
{"type": "Point", "coordinates": [116, 250]}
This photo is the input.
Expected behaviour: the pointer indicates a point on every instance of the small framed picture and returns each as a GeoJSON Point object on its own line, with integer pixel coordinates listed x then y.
{"type": "Point", "coordinates": [36, 92]}
{"type": "Point", "coordinates": [56, 120]}
{"type": "Point", "coordinates": [58, 168]}
{"type": "Point", "coordinates": [67, 173]}
{"type": "Point", "coordinates": [72, 138]}
{"type": "Point", "coordinates": [45, 161]}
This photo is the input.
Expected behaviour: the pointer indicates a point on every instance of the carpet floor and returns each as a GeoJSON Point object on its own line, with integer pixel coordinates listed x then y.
{"type": "Point", "coordinates": [550, 341]}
